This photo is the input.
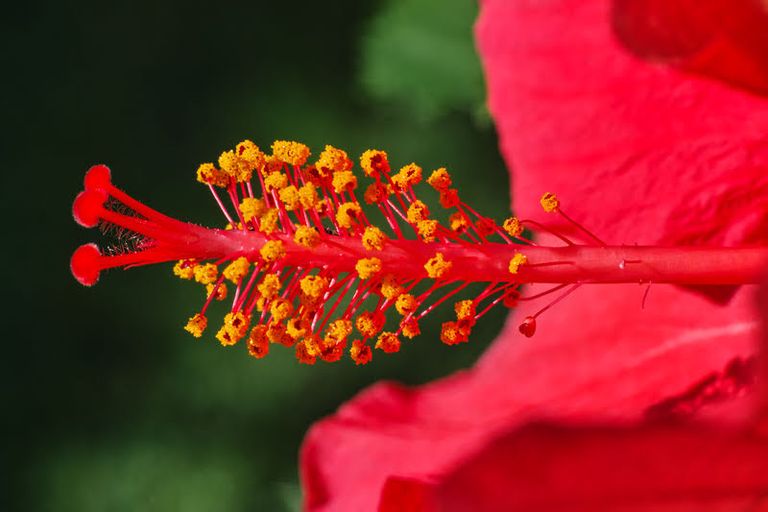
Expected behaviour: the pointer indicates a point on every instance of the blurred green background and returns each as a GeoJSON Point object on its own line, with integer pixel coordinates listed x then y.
{"type": "Point", "coordinates": [109, 405]}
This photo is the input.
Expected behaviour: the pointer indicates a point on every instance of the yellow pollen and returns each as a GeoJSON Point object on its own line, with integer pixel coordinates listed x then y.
{"type": "Point", "coordinates": [269, 286]}
{"type": "Point", "coordinates": [306, 236]}
{"type": "Point", "coordinates": [268, 222]}
{"type": "Point", "coordinates": [206, 273]}
{"type": "Point", "coordinates": [465, 309]}
{"type": "Point", "coordinates": [250, 153]}
{"type": "Point", "coordinates": [410, 328]}
{"type": "Point", "coordinates": [334, 159]}
{"type": "Point", "coordinates": [549, 202]}
{"type": "Point", "coordinates": [196, 325]}
{"type": "Point", "coordinates": [513, 226]}
{"type": "Point", "coordinates": [209, 174]}
{"type": "Point", "coordinates": [221, 291]}
{"type": "Point", "coordinates": [440, 179]}
{"type": "Point", "coordinates": [290, 197]}
{"type": "Point", "coordinates": [252, 207]}
{"type": "Point", "coordinates": [406, 304]}
{"type": "Point", "coordinates": [184, 269]}
{"type": "Point", "coordinates": [369, 324]}
{"type": "Point", "coordinates": [407, 177]}
{"type": "Point", "coordinates": [390, 288]}
{"type": "Point", "coordinates": [237, 270]}
{"type": "Point", "coordinates": [418, 211]}
{"type": "Point", "coordinates": [458, 222]}
{"type": "Point", "coordinates": [344, 181]}
{"type": "Point", "coordinates": [360, 353]}
{"type": "Point", "coordinates": [228, 162]}
{"type": "Point", "coordinates": [347, 214]}
{"type": "Point", "coordinates": [292, 153]}
{"type": "Point", "coordinates": [368, 267]}
{"type": "Point", "coordinates": [373, 238]}
{"type": "Point", "coordinates": [280, 309]}
{"type": "Point", "coordinates": [272, 251]}
{"type": "Point", "coordinates": [375, 193]}
{"type": "Point", "coordinates": [276, 181]}
{"type": "Point", "coordinates": [339, 330]}
{"type": "Point", "coordinates": [373, 162]}
{"type": "Point", "coordinates": [437, 267]}
{"type": "Point", "coordinates": [297, 327]}
{"type": "Point", "coordinates": [234, 328]}
{"type": "Point", "coordinates": [515, 262]}
{"type": "Point", "coordinates": [449, 198]}
{"type": "Point", "coordinates": [314, 286]}
{"type": "Point", "coordinates": [308, 196]}
{"type": "Point", "coordinates": [451, 333]}
{"type": "Point", "coordinates": [258, 343]}
{"type": "Point", "coordinates": [427, 229]}
{"type": "Point", "coordinates": [303, 353]}
{"type": "Point", "coordinates": [388, 342]}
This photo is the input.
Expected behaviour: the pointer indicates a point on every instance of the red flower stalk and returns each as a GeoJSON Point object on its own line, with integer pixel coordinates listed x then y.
{"type": "Point", "coordinates": [305, 259]}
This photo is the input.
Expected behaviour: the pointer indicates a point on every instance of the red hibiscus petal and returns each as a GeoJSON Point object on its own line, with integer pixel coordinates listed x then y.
{"type": "Point", "coordinates": [599, 356]}
{"type": "Point", "coordinates": [647, 468]}
{"type": "Point", "coordinates": [637, 151]}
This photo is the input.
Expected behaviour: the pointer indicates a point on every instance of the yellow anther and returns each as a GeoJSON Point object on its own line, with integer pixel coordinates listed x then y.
{"type": "Point", "coordinates": [303, 353]}
{"type": "Point", "coordinates": [410, 328]}
{"type": "Point", "coordinates": [368, 267]}
{"type": "Point", "coordinates": [440, 179]}
{"type": "Point", "coordinates": [388, 342]}
{"type": "Point", "coordinates": [290, 197]}
{"type": "Point", "coordinates": [269, 286]}
{"type": "Point", "coordinates": [209, 174]}
{"type": "Point", "coordinates": [271, 164]}
{"type": "Point", "coordinates": [370, 324]}
{"type": "Point", "coordinates": [308, 196]}
{"type": "Point", "coordinates": [515, 262]}
{"type": "Point", "coordinates": [230, 226]}
{"type": "Point", "coordinates": [258, 343]}
{"type": "Point", "coordinates": [297, 327]}
{"type": "Point", "coordinates": [449, 198]}
{"type": "Point", "coordinates": [375, 193]}
{"type": "Point", "coordinates": [252, 207]}
{"type": "Point", "coordinates": [390, 288]}
{"type": "Point", "coordinates": [374, 162]}
{"type": "Point", "coordinates": [513, 226]}
{"type": "Point", "coordinates": [360, 353]}
{"type": "Point", "coordinates": [228, 162]}
{"type": "Point", "coordinates": [250, 153]}
{"type": "Point", "coordinates": [406, 304]}
{"type": "Point", "coordinates": [280, 309]}
{"type": "Point", "coordinates": [438, 267]}
{"type": "Point", "coordinates": [206, 273]}
{"type": "Point", "coordinates": [347, 214]}
{"type": "Point", "coordinates": [234, 328]}
{"type": "Point", "coordinates": [334, 159]}
{"type": "Point", "coordinates": [338, 330]}
{"type": "Point", "coordinates": [408, 176]}
{"type": "Point", "coordinates": [292, 153]}
{"type": "Point", "coordinates": [220, 291]}
{"type": "Point", "coordinates": [451, 333]}
{"type": "Point", "coordinates": [374, 238]}
{"type": "Point", "coordinates": [427, 229]}
{"type": "Point", "coordinates": [272, 251]}
{"type": "Point", "coordinates": [185, 269]}
{"type": "Point", "coordinates": [276, 181]}
{"type": "Point", "coordinates": [465, 309]}
{"type": "Point", "coordinates": [268, 223]}
{"type": "Point", "coordinates": [458, 222]}
{"type": "Point", "coordinates": [314, 286]}
{"type": "Point", "coordinates": [418, 211]}
{"type": "Point", "coordinates": [549, 202]}
{"type": "Point", "coordinates": [196, 325]}
{"type": "Point", "coordinates": [237, 270]}
{"type": "Point", "coordinates": [306, 236]}
{"type": "Point", "coordinates": [344, 181]}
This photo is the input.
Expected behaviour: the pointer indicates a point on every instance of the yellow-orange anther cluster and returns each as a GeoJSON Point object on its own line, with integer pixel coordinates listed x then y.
{"type": "Point", "coordinates": [438, 267]}
{"type": "Point", "coordinates": [373, 238]}
{"type": "Point", "coordinates": [513, 226]}
{"type": "Point", "coordinates": [196, 325]}
{"type": "Point", "coordinates": [289, 152]}
{"type": "Point", "coordinates": [516, 261]}
{"type": "Point", "coordinates": [549, 202]}
{"type": "Point", "coordinates": [368, 267]}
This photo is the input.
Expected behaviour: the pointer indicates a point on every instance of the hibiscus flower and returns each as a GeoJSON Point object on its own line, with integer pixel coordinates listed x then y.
{"type": "Point", "coordinates": [650, 117]}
